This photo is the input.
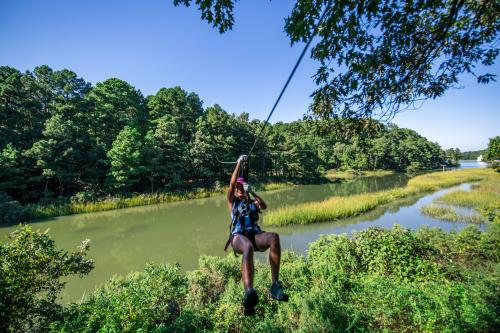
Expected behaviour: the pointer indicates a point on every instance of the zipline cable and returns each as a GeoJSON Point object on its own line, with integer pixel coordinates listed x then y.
{"type": "Point", "coordinates": [288, 81]}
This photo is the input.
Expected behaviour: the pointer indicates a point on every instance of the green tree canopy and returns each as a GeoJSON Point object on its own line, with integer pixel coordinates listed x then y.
{"type": "Point", "coordinates": [115, 103]}
{"type": "Point", "coordinates": [493, 151]}
{"type": "Point", "coordinates": [381, 56]}
{"type": "Point", "coordinates": [183, 106]}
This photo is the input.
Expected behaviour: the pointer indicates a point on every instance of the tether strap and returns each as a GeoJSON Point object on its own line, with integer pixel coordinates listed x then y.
{"type": "Point", "coordinates": [288, 80]}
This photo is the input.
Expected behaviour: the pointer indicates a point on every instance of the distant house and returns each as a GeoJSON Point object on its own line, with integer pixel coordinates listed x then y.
{"type": "Point", "coordinates": [480, 158]}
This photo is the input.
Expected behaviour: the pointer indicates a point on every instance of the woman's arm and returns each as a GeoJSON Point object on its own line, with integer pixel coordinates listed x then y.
{"type": "Point", "coordinates": [232, 183]}
{"type": "Point", "coordinates": [259, 201]}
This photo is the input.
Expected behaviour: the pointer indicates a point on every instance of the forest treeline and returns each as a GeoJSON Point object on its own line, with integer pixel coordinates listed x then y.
{"type": "Point", "coordinates": [62, 137]}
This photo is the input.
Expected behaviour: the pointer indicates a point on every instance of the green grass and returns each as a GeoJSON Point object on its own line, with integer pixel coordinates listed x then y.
{"type": "Point", "coordinates": [483, 195]}
{"type": "Point", "coordinates": [484, 198]}
{"type": "Point", "coordinates": [273, 186]}
{"type": "Point", "coordinates": [342, 207]}
{"type": "Point", "coordinates": [36, 211]}
{"type": "Point", "coordinates": [336, 174]}
{"type": "Point", "coordinates": [450, 214]}
{"type": "Point", "coordinates": [45, 211]}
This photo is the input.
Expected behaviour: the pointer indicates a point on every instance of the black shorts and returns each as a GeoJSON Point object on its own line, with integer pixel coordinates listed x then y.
{"type": "Point", "coordinates": [248, 234]}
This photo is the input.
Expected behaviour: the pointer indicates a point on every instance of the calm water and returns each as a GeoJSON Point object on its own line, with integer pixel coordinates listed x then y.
{"type": "Point", "coordinates": [124, 240]}
{"type": "Point", "coordinates": [466, 164]}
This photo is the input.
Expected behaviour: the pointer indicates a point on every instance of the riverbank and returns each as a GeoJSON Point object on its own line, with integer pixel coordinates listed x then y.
{"type": "Point", "coordinates": [38, 211]}
{"type": "Point", "coordinates": [343, 207]}
{"type": "Point", "coordinates": [352, 174]}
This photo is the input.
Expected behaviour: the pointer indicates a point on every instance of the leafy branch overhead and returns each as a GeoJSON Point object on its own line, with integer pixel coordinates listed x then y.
{"type": "Point", "coordinates": [380, 57]}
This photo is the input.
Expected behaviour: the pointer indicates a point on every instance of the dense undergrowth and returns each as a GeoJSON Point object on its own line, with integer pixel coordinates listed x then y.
{"type": "Point", "coordinates": [376, 280]}
{"type": "Point", "coordinates": [342, 207]}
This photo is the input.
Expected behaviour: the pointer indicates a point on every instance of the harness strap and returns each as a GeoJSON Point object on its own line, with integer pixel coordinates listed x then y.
{"type": "Point", "coordinates": [253, 215]}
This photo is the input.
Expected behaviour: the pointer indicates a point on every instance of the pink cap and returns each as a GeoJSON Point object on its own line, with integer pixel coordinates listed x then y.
{"type": "Point", "coordinates": [240, 180]}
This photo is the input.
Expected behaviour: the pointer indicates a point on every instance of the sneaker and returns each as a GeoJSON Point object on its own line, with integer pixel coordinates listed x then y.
{"type": "Point", "coordinates": [250, 300]}
{"type": "Point", "coordinates": [276, 292]}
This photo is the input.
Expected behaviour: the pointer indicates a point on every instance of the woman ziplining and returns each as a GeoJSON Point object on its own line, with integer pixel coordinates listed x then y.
{"type": "Point", "coordinates": [246, 236]}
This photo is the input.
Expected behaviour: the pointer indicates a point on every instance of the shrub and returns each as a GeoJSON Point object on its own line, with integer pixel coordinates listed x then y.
{"type": "Point", "coordinates": [11, 210]}
{"type": "Point", "coordinates": [31, 269]}
{"type": "Point", "coordinates": [396, 252]}
{"type": "Point", "coordinates": [83, 197]}
{"type": "Point", "coordinates": [414, 167]}
{"type": "Point", "coordinates": [495, 165]}
{"type": "Point", "coordinates": [141, 301]}
{"type": "Point", "coordinates": [377, 280]}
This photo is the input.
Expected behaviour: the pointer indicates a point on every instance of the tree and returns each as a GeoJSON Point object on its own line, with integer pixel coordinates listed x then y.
{"type": "Point", "coordinates": [12, 179]}
{"type": "Point", "coordinates": [379, 57]}
{"type": "Point", "coordinates": [133, 157]}
{"type": "Point", "coordinates": [167, 153]}
{"type": "Point", "coordinates": [67, 154]}
{"type": "Point", "coordinates": [493, 153]}
{"type": "Point", "coordinates": [493, 150]}
{"type": "Point", "coordinates": [183, 106]}
{"type": "Point", "coordinates": [214, 139]}
{"type": "Point", "coordinates": [453, 156]}
{"type": "Point", "coordinates": [21, 118]}
{"type": "Point", "coordinates": [114, 104]}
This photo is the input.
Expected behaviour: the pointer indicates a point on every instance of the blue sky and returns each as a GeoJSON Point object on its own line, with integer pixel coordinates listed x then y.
{"type": "Point", "coordinates": [152, 44]}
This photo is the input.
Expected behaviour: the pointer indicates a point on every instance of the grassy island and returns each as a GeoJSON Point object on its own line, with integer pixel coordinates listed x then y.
{"type": "Point", "coordinates": [342, 207]}
{"type": "Point", "coordinates": [483, 199]}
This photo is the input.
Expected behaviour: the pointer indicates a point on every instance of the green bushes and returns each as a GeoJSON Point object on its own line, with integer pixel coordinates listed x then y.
{"type": "Point", "coordinates": [11, 211]}
{"type": "Point", "coordinates": [31, 269]}
{"type": "Point", "coordinates": [143, 301]}
{"type": "Point", "coordinates": [377, 280]}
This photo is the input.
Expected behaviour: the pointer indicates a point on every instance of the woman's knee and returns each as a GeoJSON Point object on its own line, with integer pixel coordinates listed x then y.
{"type": "Point", "coordinates": [274, 239]}
{"type": "Point", "coordinates": [244, 245]}
{"type": "Point", "coordinates": [248, 248]}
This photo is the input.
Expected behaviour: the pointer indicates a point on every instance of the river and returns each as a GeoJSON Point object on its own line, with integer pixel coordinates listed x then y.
{"type": "Point", "coordinates": [124, 240]}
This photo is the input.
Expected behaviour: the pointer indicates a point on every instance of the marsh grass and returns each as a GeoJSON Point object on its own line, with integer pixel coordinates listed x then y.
{"type": "Point", "coordinates": [45, 211]}
{"type": "Point", "coordinates": [476, 198]}
{"type": "Point", "coordinates": [483, 197]}
{"type": "Point", "coordinates": [450, 214]}
{"type": "Point", "coordinates": [335, 174]}
{"type": "Point", "coordinates": [342, 207]}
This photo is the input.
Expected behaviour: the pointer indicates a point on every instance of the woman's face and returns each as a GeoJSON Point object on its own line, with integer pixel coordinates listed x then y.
{"type": "Point", "coordinates": [240, 191]}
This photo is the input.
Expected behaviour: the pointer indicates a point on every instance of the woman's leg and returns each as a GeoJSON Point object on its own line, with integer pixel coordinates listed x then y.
{"type": "Point", "coordinates": [271, 241]}
{"type": "Point", "coordinates": [242, 245]}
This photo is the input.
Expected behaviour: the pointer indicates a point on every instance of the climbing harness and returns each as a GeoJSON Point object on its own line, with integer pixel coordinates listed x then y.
{"type": "Point", "coordinates": [241, 210]}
